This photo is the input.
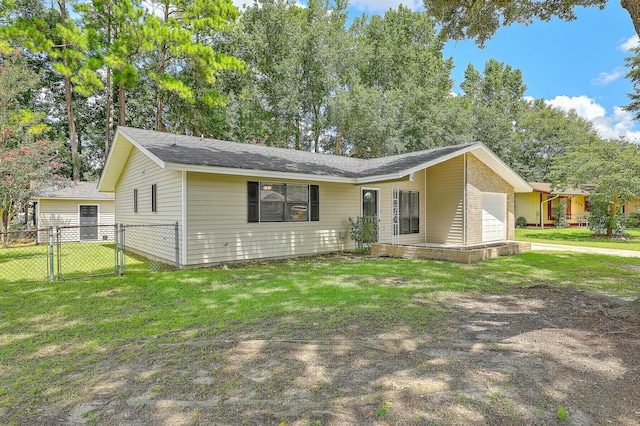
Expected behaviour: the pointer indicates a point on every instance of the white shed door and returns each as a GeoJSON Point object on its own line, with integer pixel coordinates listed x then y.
{"type": "Point", "coordinates": [494, 217]}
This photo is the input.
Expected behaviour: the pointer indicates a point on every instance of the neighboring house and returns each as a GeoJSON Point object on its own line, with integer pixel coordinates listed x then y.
{"type": "Point", "coordinates": [236, 202]}
{"type": "Point", "coordinates": [632, 206]}
{"type": "Point", "coordinates": [544, 205]}
{"type": "Point", "coordinates": [80, 206]}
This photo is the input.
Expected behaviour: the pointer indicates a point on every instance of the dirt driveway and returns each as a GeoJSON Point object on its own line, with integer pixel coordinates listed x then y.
{"type": "Point", "coordinates": [536, 356]}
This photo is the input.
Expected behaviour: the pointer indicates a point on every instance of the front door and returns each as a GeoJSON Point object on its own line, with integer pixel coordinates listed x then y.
{"type": "Point", "coordinates": [88, 223]}
{"type": "Point", "coordinates": [370, 213]}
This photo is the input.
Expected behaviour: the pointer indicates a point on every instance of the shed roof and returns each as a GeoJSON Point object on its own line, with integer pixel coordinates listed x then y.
{"type": "Point", "coordinates": [75, 191]}
{"type": "Point", "coordinates": [189, 153]}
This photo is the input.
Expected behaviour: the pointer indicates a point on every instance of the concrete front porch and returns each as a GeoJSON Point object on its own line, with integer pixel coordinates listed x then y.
{"type": "Point", "coordinates": [452, 253]}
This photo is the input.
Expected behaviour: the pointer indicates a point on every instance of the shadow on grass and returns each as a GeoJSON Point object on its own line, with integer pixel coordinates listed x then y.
{"type": "Point", "coordinates": [312, 339]}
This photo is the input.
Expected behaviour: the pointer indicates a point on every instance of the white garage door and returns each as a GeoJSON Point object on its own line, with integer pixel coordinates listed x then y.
{"type": "Point", "coordinates": [494, 216]}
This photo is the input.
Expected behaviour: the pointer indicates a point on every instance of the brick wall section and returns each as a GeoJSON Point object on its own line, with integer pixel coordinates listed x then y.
{"type": "Point", "coordinates": [481, 178]}
{"type": "Point", "coordinates": [459, 255]}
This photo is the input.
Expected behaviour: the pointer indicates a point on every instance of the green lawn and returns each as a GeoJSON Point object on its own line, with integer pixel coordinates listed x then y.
{"type": "Point", "coordinates": [579, 237]}
{"type": "Point", "coordinates": [54, 336]}
{"type": "Point", "coordinates": [30, 262]}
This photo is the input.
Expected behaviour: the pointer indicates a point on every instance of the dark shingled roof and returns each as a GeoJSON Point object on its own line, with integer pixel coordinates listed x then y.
{"type": "Point", "coordinates": [191, 150]}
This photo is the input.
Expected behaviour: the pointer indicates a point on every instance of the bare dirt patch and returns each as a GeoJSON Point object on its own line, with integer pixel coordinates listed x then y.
{"type": "Point", "coordinates": [538, 355]}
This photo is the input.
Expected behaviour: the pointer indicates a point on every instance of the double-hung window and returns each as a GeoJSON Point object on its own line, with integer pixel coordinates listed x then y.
{"type": "Point", "coordinates": [283, 202]}
{"type": "Point", "coordinates": [409, 212]}
{"type": "Point", "coordinates": [154, 198]}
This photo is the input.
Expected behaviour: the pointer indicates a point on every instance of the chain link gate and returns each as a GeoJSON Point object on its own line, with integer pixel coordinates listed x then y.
{"type": "Point", "coordinates": [85, 251]}
{"type": "Point", "coordinates": [70, 252]}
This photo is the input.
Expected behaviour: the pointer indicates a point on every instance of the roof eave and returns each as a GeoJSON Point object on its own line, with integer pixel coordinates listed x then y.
{"type": "Point", "coordinates": [269, 174]}
{"type": "Point", "coordinates": [404, 174]}
{"type": "Point", "coordinates": [117, 158]}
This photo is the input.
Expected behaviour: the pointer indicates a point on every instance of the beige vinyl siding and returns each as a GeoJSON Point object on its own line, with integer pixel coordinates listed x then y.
{"type": "Point", "coordinates": [481, 178]}
{"type": "Point", "coordinates": [528, 206]}
{"type": "Point", "coordinates": [52, 212]}
{"type": "Point", "coordinates": [218, 229]}
{"type": "Point", "coordinates": [445, 202]}
{"type": "Point", "coordinates": [141, 172]}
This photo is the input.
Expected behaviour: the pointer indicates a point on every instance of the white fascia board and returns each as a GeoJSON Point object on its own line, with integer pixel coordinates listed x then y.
{"type": "Point", "coordinates": [117, 159]}
{"type": "Point", "coordinates": [381, 178]}
{"type": "Point", "coordinates": [145, 151]}
{"type": "Point", "coordinates": [115, 163]}
{"type": "Point", "coordinates": [269, 174]}
{"type": "Point", "coordinates": [93, 200]}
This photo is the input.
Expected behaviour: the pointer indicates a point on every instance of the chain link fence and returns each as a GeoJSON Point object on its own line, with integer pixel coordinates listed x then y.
{"type": "Point", "coordinates": [68, 252]}
{"type": "Point", "coordinates": [22, 258]}
{"type": "Point", "coordinates": [159, 244]}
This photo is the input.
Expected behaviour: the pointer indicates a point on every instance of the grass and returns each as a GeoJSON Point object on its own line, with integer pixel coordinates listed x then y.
{"type": "Point", "coordinates": [30, 262]}
{"type": "Point", "coordinates": [579, 237]}
{"type": "Point", "coordinates": [55, 336]}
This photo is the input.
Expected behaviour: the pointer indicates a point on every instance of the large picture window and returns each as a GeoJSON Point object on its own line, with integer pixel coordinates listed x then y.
{"type": "Point", "coordinates": [409, 212]}
{"type": "Point", "coordinates": [283, 202]}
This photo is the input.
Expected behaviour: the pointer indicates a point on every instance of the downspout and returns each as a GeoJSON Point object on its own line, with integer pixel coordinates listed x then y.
{"type": "Point", "coordinates": [425, 206]}
{"type": "Point", "coordinates": [184, 218]}
{"type": "Point", "coordinates": [542, 209]}
{"type": "Point", "coordinates": [464, 200]}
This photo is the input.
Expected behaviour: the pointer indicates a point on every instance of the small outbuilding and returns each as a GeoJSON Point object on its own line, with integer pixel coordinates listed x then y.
{"type": "Point", "coordinates": [236, 202]}
{"type": "Point", "coordinates": [79, 207]}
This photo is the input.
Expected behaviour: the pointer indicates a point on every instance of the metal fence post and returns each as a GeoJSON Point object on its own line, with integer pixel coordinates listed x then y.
{"type": "Point", "coordinates": [58, 253]}
{"type": "Point", "coordinates": [122, 266]}
{"type": "Point", "coordinates": [115, 249]}
{"type": "Point", "coordinates": [177, 248]}
{"type": "Point", "coordinates": [50, 256]}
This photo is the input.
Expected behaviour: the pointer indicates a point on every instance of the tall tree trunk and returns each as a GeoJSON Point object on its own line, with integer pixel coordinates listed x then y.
{"type": "Point", "coordinates": [121, 105]}
{"type": "Point", "coordinates": [633, 7]}
{"type": "Point", "coordinates": [107, 129]}
{"type": "Point", "coordinates": [73, 139]}
{"type": "Point", "coordinates": [612, 216]}
{"type": "Point", "coordinates": [338, 140]}
{"type": "Point", "coordinates": [161, 69]}
{"type": "Point", "coordinates": [162, 66]}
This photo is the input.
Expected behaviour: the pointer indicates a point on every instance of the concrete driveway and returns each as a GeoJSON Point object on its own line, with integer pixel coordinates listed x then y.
{"type": "Point", "coordinates": [580, 249]}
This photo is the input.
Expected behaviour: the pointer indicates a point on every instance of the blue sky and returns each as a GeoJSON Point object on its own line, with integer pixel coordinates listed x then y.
{"type": "Point", "coordinates": [573, 65]}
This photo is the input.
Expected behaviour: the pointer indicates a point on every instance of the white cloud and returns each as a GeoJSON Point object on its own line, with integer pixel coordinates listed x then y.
{"type": "Point", "coordinates": [620, 124]}
{"type": "Point", "coordinates": [608, 77]}
{"type": "Point", "coordinates": [630, 43]}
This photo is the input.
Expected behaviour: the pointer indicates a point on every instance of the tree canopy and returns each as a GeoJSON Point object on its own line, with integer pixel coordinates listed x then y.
{"type": "Point", "coordinates": [480, 19]}
{"type": "Point", "coordinates": [279, 74]}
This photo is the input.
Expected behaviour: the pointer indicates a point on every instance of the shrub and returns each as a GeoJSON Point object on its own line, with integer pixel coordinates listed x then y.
{"type": "Point", "coordinates": [521, 222]}
{"type": "Point", "coordinates": [599, 220]}
{"type": "Point", "coordinates": [633, 221]}
{"type": "Point", "coordinates": [364, 230]}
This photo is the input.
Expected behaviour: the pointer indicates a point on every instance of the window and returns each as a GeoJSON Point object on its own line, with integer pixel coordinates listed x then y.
{"type": "Point", "coordinates": [283, 202]}
{"type": "Point", "coordinates": [154, 198]}
{"type": "Point", "coordinates": [409, 212]}
{"type": "Point", "coordinates": [135, 200]}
